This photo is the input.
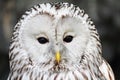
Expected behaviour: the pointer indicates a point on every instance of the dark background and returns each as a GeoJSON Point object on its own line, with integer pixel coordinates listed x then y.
{"type": "Point", "coordinates": [104, 13]}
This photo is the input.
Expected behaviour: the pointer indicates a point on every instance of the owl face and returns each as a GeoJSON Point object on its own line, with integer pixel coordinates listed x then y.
{"type": "Point", "coordinates": [60, 34]}
{"type": "Point", "coordinates": [44, 35]}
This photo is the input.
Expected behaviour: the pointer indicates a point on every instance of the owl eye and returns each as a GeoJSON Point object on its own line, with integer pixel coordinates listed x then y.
{"type": "Point", "coordinates": [68, 38]}
{"type": "Point", "coordinates": [42, 40]}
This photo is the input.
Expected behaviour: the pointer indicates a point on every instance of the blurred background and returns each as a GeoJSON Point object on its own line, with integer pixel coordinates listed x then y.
{"type": "Point", "coordinates": [104, 13]}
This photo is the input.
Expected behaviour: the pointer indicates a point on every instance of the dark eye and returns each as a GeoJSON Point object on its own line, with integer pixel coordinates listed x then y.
{"type": "Point", "coordinates": [42, 40]}
{"type": "Point", "coordinates": [68, 39]}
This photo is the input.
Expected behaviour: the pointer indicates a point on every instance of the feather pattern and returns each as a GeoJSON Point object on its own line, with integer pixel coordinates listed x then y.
{"type": "Point", "coordinates": [88, 64]}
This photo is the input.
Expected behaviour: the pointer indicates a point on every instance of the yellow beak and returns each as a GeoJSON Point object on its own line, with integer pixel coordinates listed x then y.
{"type": "Point", "coordinates": [58, 56]}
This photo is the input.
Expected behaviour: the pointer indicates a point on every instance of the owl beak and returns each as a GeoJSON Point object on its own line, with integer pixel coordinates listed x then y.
{"type": "Point", "coordinates": [57, 57]}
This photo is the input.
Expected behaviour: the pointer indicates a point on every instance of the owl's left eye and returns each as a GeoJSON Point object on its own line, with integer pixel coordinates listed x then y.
{"type": "Point", "coordinates": [42, 40]}
{"type": "Point", "coordinates": [68, 38]}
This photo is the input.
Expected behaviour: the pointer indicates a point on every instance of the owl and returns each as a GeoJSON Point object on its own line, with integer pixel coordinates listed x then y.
{"type": "Point", "coordinates": [57, 41]}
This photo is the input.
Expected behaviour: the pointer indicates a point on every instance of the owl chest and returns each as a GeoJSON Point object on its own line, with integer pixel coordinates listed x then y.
{"type": "Point", "coordinates": [37, 74]}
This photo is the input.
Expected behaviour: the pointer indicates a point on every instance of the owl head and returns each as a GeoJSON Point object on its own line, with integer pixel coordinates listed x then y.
{"type": "Point", "coordinates": [54, 34]}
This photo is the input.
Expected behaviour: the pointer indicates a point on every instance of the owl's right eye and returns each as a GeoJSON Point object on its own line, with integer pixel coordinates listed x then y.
{"type": "Point", "coordinates": [42, 40]}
